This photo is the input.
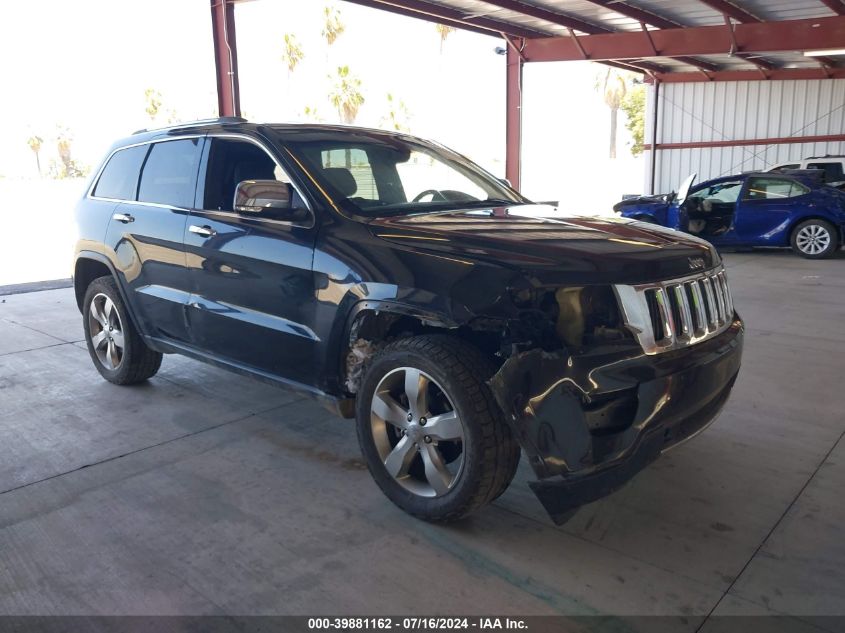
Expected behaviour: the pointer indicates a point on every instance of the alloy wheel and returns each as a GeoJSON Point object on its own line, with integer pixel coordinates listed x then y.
{"type": "Point", "coordinates": [417, 432]}
{"type": "Point", "coordinates": [813, 239]}
{"type": "Point", "coordinates": [106, 331]}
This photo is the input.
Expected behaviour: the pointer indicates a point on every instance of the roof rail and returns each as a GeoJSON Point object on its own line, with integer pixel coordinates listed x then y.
{"type": "Point", "coordinates": [221, 119]}
{"type": "Point", "coordinates": [825, 156]}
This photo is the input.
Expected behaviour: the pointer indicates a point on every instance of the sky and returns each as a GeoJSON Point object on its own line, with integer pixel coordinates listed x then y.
{"type": "Point", "coordinates": [85, 66]}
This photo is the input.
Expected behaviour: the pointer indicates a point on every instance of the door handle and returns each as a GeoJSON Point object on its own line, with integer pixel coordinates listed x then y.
{"type": "Point", "coordinates": [205, 231]}
{"type": "Point", "coordinates": [123, 217]}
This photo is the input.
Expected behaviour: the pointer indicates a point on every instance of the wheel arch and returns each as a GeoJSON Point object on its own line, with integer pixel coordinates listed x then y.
{"type": "Point", "coordinates": [89, 266]}
{"type": "Point", "coordinates": [370, 323]}
{"type": "Point", "coordinates": [790, 232]}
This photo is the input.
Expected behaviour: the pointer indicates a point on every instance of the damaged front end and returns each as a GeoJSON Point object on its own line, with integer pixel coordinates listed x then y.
{"type": "Point", "coordinates": [603, 402]}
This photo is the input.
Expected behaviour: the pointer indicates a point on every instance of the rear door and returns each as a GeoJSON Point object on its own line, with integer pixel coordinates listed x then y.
{"type": "Point", "coordinates": [147, 233]}
{"type": "Point", "coordinates": [254, 295]}
{"type": "Point", "coordinates": [765, 209]}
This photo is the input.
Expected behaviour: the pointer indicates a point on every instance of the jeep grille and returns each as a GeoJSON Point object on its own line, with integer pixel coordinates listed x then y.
{"type": "Point", "coordinates": [677, 313]}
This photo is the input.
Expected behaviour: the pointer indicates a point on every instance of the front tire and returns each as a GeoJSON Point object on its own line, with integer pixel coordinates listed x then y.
{"type": "Point", "coordinates": [118, 352]}
{"type": "Point", "coordinates": [432, 435]}
{"type": "Point", "coordinates": [815, 239]}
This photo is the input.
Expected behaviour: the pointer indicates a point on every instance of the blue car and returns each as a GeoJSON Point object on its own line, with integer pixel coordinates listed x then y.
{"type": "Point", "coordinates": [754, 209]}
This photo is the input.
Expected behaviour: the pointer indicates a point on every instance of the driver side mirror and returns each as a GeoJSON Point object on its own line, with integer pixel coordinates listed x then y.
{"type": "Point", "coordinates": [268, 198]}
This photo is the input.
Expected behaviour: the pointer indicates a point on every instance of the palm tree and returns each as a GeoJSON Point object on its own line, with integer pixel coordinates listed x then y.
{"type": "Point", "coordinates": [293, 53]}
{"type": "Point", "coordinates": [444, 33]}
{"type": "Point", "coordinates": [332, 27]}
{"type": "Point", "coordinates": [346, 96]}
{"type": "Point", "coordinates": [63, 141]}
{"type": "Point", "coordinates": [35, 143]}
{"type": "Point", "coordinates": [153, 99]}
{"type": "Point", "coordinates": [397, 116]}
{"type": "Point", "coordinates": [613, 86]}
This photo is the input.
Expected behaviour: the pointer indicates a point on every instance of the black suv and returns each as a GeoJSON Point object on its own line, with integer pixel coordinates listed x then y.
{"type": "Point", "coordinates": [401, 284]}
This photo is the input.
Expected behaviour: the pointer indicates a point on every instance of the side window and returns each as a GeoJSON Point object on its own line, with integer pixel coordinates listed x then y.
{"type": "Point", "coordinates": [357, 163]}
{"type": "Point", "coordinates": [773, 189]}
{"type": "Point", "coordinates": [231, 161]}
{"type": "Point", "coordinates": [170, 173]}
{"type": "Point", "coordinates": [119, 179]}
{"type": "Point", "coordinates": [832, 171]}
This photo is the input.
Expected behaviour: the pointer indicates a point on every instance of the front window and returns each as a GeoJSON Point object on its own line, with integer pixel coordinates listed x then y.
{"type": "Point", "coordinates": [379, 174]}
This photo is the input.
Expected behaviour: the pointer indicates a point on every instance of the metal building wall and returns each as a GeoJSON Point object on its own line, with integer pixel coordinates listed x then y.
{"type": "Point", "coordinates": [735, 111]}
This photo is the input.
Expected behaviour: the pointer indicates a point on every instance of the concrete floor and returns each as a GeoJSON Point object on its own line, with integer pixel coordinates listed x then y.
{"type": "Point", "coordinates": [203, 492]}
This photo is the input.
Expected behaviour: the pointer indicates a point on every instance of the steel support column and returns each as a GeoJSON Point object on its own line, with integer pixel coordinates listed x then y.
{"type": "Point", "coordinates": [655, 125]}
{"type": "Point", "coordinates": [225, 57]}
{"type": "Point", "coordinates": [513, 119]}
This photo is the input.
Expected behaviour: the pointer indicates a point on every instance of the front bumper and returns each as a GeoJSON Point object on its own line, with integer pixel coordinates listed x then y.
{"type": "Point", "coordinates": [590, 422]}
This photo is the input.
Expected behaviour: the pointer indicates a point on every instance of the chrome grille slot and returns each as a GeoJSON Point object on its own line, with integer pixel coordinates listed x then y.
{"type": "Point", "coordinates": [676, 313]}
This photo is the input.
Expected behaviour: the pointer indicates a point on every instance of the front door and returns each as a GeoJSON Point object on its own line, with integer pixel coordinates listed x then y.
{"type": "Point", "coordinates": [253, 297]}
{"type": "Point", "coordinates": [147, 232]}
{"type": "Point", "coordinates": [765, 209]}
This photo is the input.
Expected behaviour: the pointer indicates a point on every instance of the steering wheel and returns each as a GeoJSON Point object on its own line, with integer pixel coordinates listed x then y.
{"type": "Point", "coordinates": [435, 196]}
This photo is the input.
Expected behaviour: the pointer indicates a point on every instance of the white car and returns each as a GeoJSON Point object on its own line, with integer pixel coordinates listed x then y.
{"type": "Point", "coordinates": [832, 166]}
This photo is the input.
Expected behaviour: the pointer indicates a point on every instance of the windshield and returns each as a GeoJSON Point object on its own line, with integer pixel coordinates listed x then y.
{"type": "Point", "coordinates": [376, 174]}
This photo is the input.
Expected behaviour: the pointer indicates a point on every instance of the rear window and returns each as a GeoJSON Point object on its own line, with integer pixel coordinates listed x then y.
{"type": "Point", "coordinates": [832, 171]}
{"type": "Point", "coordinates": [170, 173]}
{"type": "Point", "coordinates": [119, 179]}
{"type": "Point", "coordinates": [774, 189]}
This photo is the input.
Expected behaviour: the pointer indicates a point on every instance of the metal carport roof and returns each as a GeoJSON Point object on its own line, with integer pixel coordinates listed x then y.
{"type": "Point", "coordinates": [707, 39]}
{"type": "Point", "coordinates": [668, 40]}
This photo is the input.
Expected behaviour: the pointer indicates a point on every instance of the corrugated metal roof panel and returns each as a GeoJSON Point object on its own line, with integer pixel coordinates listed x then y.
{"type": "Point", "coordinates": [684, 12]}
{"type": "Point", "coordinates": [776, 10]}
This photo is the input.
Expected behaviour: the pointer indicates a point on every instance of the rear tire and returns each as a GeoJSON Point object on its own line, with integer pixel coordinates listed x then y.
{"type": "Point", "coordinates": [815, 239]}
{"type": "Point", "coordinates": [478, 453]}
{"type": "Point", "coordinates": [118, 352]}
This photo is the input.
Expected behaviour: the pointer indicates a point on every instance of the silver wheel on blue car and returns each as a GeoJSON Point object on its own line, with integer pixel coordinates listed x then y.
{"type": "Point", "coordinates": [815, 239]}
{"type": "Point", "coordinates": [117, 349]}
{"type": "Point", "coordinates": [433, 437]}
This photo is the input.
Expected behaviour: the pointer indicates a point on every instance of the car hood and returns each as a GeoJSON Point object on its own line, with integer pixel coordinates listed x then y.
{"type": "Point", "coordinates": [553, 248]}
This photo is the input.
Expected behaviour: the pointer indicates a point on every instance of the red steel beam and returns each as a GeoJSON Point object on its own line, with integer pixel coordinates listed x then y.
{"type": "Point", "coordinates": [513, 118]}
{"type": "Point", "coordinates": [762, 37]}
{"type": "Point", "coordinates": [225, 57]}
{"type": "Point", "coordinates": [447, 15]}
{"type": "Point", "coordinates": [726, 8]}
{"type": "Point", "coordinates": [754, 75]}
{"type": "Point", "coordinates": [835, 5]}
{"type": "Point", "coordinates": [577, 24]}
{"type": "Point", "coordinates": [781, 140]}
{"type": "Point", "coordinates": [647, 17]}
